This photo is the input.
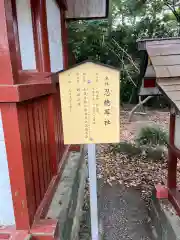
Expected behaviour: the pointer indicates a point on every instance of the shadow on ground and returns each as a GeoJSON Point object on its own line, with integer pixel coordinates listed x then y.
{"type": "Point", "coordinates": [123, 213]}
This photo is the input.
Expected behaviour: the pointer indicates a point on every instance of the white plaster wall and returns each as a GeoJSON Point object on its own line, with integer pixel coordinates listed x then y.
{"type": "Point", "coordinates": [26, 34]}
{"type": "Point", "coordinates": [177, 132]}
{"type": "Point", "coordinates": [54, 32]}
{"type": "Point", "coordinates": [6, 205]}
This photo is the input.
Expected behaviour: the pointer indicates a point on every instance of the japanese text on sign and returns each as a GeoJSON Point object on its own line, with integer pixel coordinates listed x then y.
{"type": "Point", "coordinates": [90, 104]}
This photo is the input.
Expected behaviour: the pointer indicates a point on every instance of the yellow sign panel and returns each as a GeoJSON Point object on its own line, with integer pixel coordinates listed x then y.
{"type": "Point", "coordinates": [90, 103]}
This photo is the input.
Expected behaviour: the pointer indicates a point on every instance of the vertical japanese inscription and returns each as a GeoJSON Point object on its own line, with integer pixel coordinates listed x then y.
{"type": "Point", "coordinates": [78, 90]}
{"type": "Point", "coordinates": [86, 89]}
{"type": "Point", "coordinates": [95, 99]}
{"type": "Point", "coordinates": [94, 106]}
{"type": "Point", "coordinates": [78, 95]}
{"type": "Point", "coordinates": [82, 101]}
{"type": "Point", "coordinates": [70, 93]}
{"type": "Point", "coordinates": [107, 102]}
{"type": "Point", "coordinates": [86, 113]}
{"type": "Point", "coordinates": [90, 104]}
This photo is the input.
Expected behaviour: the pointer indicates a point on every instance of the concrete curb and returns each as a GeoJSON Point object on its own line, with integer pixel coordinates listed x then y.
{"type": "Point", "coordinates": [80, 201]}
{"type": "Point", "coordinates": [69, 197]}
{"type": "Point", "coordinates": [166, 224]}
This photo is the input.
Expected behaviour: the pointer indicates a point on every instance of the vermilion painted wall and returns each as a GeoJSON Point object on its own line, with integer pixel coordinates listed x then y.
{"type": "Point", "coordinates": [31, 111]}
{"type": "Point", "coordinates": [27, 51]}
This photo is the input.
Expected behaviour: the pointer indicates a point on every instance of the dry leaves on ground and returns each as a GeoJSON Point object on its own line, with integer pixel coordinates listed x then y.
{"type": "Point", "coordinates": [136, 171]}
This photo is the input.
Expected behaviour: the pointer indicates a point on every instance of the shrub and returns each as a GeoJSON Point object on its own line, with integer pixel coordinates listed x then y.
{"type": "Point", "coordinates": [125, 147]}
{"type": "Point", "coordinates": [152, 136]}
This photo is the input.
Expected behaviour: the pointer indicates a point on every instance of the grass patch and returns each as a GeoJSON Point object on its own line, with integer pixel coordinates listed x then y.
{"type": "Point", "coordinates": [152, 136]}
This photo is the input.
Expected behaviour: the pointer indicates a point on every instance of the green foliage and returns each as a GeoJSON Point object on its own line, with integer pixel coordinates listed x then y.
{"type": "Point", "coordinates": [86, 39]}
{"type": "Point", "coordinates": [125, 147]}
{"type": "Point", "coordinates": [152, 136]}
{"type": "Point", "coordinates": [108, 41]}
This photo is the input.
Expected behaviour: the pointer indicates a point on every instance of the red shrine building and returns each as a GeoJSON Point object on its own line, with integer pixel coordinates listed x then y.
{"type": "Point", "coordinates": [33, 45]}
{"type": "Point", "coordinates": [161, 75]}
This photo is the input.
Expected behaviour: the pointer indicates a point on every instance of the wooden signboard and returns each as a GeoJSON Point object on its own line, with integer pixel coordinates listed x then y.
{"type": "Point", "coordinates": [87, 9]}
{"type": "Point", "coordinates": [90, 99]}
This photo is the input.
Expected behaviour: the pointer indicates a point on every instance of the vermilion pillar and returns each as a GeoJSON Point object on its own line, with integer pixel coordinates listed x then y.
{"type": "Point", "coordinates": [172, 158]}
{"type": "Point", "coordinates": [8, 54]}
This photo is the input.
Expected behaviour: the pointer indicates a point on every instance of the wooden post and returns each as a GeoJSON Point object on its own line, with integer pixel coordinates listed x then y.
{"type": "Point", "coordinates": [13, 118]}
{"type": "Point", "coordinates": [172, 158]}
{"type": "Point", "coordinates": [20, 169]}
{"type": "Point", "coordinates": [8, 54]}
{"type": "Point", "coordinates": [64, 33]}
{"type": "Point", "coordinates": [40, 35]}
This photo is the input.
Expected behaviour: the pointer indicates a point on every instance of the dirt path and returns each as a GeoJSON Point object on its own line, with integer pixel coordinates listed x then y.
{"type": "Point", "coordinates": [124, 215]}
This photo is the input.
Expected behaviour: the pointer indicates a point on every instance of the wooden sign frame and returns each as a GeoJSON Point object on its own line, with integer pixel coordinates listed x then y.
{"type": "Point", "coordinates": [90, 95]}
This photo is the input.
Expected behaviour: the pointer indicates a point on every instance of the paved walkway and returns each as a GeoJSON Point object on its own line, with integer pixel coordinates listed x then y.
{"type": "Point", "coordinates": [123, 214]}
